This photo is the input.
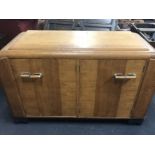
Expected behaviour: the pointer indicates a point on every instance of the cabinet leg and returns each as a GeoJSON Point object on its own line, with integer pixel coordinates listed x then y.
{"type": "Point", "coordinates": [20, 120]}
{"type": "Point", "coordinates": [135, 121]}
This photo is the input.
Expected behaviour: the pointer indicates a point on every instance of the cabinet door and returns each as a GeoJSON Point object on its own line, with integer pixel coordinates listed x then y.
{"type": "Point", "coordinates": [101, 94]}
{"type": "Point", "coordinates": [50, 92]}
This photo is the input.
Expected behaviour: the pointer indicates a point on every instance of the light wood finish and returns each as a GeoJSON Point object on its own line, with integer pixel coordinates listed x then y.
{"type": "Point", "coordinates": [68, 86]}
{"type": "Point", "coordinates": [129, 89]}
{"type": "Point", "coordinates": [103, 96]}
{"type": "Point", "coordinates": [78, 44]}
{"type": "Point", "coordinates": [146, 92]}
{"type": "Point", "coordinates": [76, 74]}
{"type": "Point", "coordinates": [76, 54]}
{"type": "Point", "coordinates": [9, 83]}
{"type": "Point", "coordinates": [87, 87]}
{"type": "Point", "coordinates": [52, 95]}
{"type": "Point", "coordinates": [118, 41]}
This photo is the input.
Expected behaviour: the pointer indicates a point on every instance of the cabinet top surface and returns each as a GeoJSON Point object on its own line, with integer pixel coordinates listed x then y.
{"type": "Point", "coordinates": [96, 41]}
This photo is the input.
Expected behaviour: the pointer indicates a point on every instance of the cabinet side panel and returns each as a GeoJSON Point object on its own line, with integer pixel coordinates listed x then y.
{"type": "Point", "coordinates": [10, 87]}
{"type": "Point", "coordinates": [146, 92]}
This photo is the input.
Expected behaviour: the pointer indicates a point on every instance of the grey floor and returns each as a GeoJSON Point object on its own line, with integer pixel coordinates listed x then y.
{"type": "Point", "coordinates": [66, 127]}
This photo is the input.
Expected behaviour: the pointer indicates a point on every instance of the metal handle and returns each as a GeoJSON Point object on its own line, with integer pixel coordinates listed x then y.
{"type": "Point", "coordinates": [27, 75]}
{"type": "Point", "coordinates": [128, 76]}
{"type": "Point", "coordinates": [36, 76]}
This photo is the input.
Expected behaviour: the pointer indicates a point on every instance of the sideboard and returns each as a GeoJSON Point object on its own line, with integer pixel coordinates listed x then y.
{"type": "Point", "coordinates": [78, 74]}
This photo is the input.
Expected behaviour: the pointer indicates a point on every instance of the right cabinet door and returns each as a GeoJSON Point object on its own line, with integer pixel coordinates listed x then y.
{"type": "Point", "coordinates": [108, 88]}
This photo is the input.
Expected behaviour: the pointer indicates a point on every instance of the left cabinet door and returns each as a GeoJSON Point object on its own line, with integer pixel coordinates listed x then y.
{"type": "Point", "coordinates": [47, 87]}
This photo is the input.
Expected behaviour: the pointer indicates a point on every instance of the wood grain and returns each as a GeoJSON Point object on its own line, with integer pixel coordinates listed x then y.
{"type": "Point", "coordinates": [108, 89]}
{"type": "Point", "coordinates": [87, 87]}
{"type": "Point", "coordinates": [78, 44]}
{"type": "Point", "coordinates": [68, 84]}
{"type": "Point", "coordinates": [103, 96]}
{"type": "Point", "coordinates": [130, 88]}
{"type": "Point", "coordinates": [146, 92]}
{"type": "Point", "coordinates": [26, 87]}
{"type": "Point", "coordinates": [78, 70]}
{"type": "Point", "coordinates": [52, 95]}
{"type": "Point", "coordinates": [114, 40]}
{"type": "Point", "coordinates": [9, 84]}
{"type": "Point", "coordinates": [82, 54]}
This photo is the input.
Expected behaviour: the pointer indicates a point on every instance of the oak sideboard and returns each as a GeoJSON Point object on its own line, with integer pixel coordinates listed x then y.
{"type": "Point", "coordinates": [78, 74]}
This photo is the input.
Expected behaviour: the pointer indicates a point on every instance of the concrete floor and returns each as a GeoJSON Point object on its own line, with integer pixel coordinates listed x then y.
{"type": "Point", "coordinates": [66, 127]}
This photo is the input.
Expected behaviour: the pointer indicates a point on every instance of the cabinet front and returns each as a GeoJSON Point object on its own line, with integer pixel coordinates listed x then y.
{"type": "Point", "coordinates": [108, 88]}
{"type": "Point", "coordinates": [47, 87]}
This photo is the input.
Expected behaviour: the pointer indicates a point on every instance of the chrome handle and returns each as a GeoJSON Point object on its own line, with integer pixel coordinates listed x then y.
{"type": "Point", "coordinates": [27, 75]}
{"type": "Point", "coordinates": [128, 76]}
{"type": "Point", "coordinates": [36, 76]}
